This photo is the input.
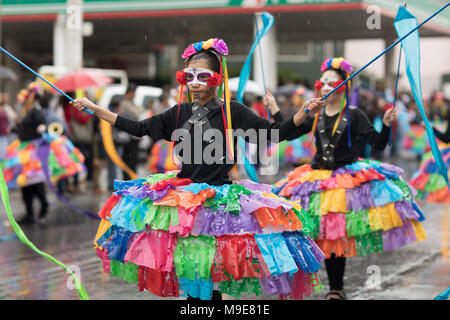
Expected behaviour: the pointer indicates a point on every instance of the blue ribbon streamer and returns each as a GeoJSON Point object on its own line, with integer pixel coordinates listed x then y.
{"type": "Point", "coordinates": [384, 51]}
{"type": "Point", "coordinates": [404, 23]}
{"type": "Point", "coordinates": [40, 77]}
{"type": "Point", "coordinates": [267, 20]}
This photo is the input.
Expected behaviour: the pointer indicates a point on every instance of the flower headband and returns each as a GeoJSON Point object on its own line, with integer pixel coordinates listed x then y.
{"type": "Point", "coordinates": [214, 43]}
{"type": "Point", "coordinates": [337, 63]}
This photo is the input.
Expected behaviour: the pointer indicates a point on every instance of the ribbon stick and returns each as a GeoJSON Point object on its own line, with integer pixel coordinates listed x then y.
{"type": "Point", "coordinates": [386, 50]}
{"type": "Point", "coordinates": [39, 76]}
{"type": "Point", "coordinates": [406, 24]}
{"type": "Point", "coordinates": [21, 235]}
{"type": "Point", "coordinates": [262, 66]}
{"type": "Point", "coordinates": [395, 90]}
{"type": "Point", "coordinates": [267, 20]}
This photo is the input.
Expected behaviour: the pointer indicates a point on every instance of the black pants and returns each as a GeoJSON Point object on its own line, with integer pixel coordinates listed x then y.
{"type": "Point", "coordinates": [335, 271]}
{"type": "Point", "coordinates": [130, 156]}
{"type": "Point", "coordinates": [216, 295]}
{"type": "Point", "coordinates": [29, 192]}
{"type": "Point", "coordinates": [86, 150]}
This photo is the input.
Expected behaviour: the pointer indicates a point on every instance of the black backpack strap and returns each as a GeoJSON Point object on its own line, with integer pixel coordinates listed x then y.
{"type": "Point", "coordinates": [328, 142]}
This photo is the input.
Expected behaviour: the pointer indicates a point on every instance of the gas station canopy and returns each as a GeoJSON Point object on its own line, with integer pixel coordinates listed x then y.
{"type": "Point", "coordinates": [295, 19]}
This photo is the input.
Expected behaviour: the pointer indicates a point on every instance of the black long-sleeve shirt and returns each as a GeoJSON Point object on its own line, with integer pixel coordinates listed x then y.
{"type": "Point", "coordinates": [26, 129]}
{"type": "Point", "coordinates": [164, 124]}
{"type": "Point", "coordinates": [361, 129]}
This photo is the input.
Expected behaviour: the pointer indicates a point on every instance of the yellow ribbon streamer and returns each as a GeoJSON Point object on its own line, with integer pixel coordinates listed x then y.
{"type": "Point", "coordinates": [110, 149]}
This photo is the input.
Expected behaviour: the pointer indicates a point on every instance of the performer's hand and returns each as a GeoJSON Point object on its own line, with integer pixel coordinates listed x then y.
{"type": "Point", "coordinates": [83, 103]}
{"type": "Point", "coordinates": [102, 113]}
{"type": "Point", "coordinates": [313, 106]}
{"type": "Point", "coordinates": [269, 100]}
{"type": "Point", "coordinates": [390, 116]}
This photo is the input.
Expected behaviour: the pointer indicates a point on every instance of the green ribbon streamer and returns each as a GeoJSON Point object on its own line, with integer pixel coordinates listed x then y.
{"type": "Point", "coordinates": [5, 198]}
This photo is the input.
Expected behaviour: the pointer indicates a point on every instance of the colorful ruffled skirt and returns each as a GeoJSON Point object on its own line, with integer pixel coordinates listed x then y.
{"type": "Point", "coordinates": [160, 158]}
{"type": "Point", "coordinates": [357, 209]}
{"type": "Point", "coordinates": [173, 237]}
{"type": "Point", "coordinates": [21, 163]}
{"type": "Point", "coordinates": [300, 150]}
{"type": "Point", "coordinates": [430, 185]}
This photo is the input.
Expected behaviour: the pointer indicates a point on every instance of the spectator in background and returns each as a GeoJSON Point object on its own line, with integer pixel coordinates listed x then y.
{"type": "Point", "coordinates": [130, 110]}
{"type": "Point", "coordinates": [4, 128]}
{"type": "Point", "coordinates": [438, 108]}
{"type": "Point", "coordinates": [11, 116]}
{"type": "Point", "coordinates": [31, 125]}
{"type": "Point", "coordinates": [163, 104]}
{"type": "Point", "coordinates": [259, 107]}
{"type": "Point", "coordinates": [112, 169]}
{"type": "Point", "coordinates": [80, 125]}
{"type": "Point", "coordinates": [99, 156]}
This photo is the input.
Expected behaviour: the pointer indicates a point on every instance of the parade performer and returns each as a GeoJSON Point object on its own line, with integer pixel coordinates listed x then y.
{"type": "Point", "coordinates": [359, 206]}
{"type": "Point", "coordinates": [21, 163]}
{"type": "Point", "coordinates": [195, 232]}
{"type": "Point", "coordinates": [297, 151]}
{"type": "Point", "coordinates": [160, 159]}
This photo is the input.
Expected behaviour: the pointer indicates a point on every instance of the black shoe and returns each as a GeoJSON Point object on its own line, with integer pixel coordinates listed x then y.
{"type": "Point", "coordinates": [43, 214]}
{"type": "Point", "coordinates": [26, 220]}
{"type": "Point", "coordinates": [336, 295]}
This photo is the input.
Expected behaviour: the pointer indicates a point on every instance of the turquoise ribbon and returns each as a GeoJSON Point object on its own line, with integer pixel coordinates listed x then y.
{"type": "Point", "coordinates": [267, 21]}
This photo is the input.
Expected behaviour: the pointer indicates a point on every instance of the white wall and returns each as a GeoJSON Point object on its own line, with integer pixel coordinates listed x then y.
{"type": "Point", "coordinates": [435, 60]}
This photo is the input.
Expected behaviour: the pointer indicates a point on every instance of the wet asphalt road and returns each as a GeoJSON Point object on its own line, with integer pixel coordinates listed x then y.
{"type": "Point", "coordinates": [418, 271]}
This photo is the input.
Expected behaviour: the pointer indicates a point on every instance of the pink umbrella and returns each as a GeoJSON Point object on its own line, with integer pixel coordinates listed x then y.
{"type": "Point", "coordinates": [82, 79]}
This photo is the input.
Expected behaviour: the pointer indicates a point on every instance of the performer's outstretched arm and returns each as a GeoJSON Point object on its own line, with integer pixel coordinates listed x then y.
{"type": "Point", "coordinates": [157, 127]}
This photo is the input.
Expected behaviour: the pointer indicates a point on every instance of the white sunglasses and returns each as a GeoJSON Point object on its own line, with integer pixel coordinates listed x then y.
{"type": "Point", "coordinates": [197, 75]}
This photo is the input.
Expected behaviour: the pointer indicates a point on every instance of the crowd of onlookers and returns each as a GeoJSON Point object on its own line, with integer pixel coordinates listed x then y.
{"type": "Point", "coordinates": [374, 103]}
{"type": "Point", "coordinates": [84, 131]}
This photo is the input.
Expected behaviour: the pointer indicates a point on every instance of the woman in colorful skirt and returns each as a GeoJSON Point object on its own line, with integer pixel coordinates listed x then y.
{"type": "Point", "coordinates": [359, 206]}
{"type": "Point", "coordinates": [430, 185]}
{"type": "Point", "coordinates": [197, 232]}
{"type": "Point", "coordinates": [24, 160]}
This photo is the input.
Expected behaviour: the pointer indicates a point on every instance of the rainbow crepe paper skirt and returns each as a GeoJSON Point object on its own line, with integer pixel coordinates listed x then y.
{"type": "Point", "coordinates": [428, 182]}
{"type": "Point", "coordinates": [173, 237]}
{"type": "Point", "coordinates": [358, 209]}
{"type": "Point", "coordinates": [21, 163]}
